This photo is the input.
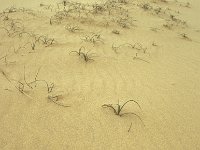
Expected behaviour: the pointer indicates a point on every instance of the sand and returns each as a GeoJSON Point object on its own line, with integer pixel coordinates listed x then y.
{"type": "Point", "coordinates": [51, 97]}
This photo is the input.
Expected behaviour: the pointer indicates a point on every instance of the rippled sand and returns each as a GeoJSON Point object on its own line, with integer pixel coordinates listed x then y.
{"type": "Point", "coordinates": [59, 65]}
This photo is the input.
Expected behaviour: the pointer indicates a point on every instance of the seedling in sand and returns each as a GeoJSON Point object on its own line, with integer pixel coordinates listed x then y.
{"type": "Point", "coordinates": [46, 40]}
{"type": "Point", "coordinates": [118, 110]}
{"type": "Point", "coordinates": [86, 56]}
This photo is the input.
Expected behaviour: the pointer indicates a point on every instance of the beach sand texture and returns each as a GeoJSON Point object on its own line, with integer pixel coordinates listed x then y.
{"type": "Point", "coordinates": [60, 62]}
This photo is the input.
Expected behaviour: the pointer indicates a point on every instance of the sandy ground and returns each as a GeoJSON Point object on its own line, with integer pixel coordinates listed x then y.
{"type": "Point", "coordinates": [147, 51]}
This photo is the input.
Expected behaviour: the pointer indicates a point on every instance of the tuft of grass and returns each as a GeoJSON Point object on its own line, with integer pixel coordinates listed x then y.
{"type": "Point", "coordinates": [46, 40]}
{"type": "Point", "coordinates": [118, 109]}
{"type": "Point", "coordinates": [86, 56]}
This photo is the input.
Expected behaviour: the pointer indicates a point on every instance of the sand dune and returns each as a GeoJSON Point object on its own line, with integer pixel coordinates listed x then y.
{"type": "Point", "coordinates": [60, 62]}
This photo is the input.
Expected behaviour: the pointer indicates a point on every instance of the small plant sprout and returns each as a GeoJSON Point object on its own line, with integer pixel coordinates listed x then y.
{"type": "Point", "coordinates": [46, 40]}
{"type": "Point", "coordinates": [86, 56]}
{"type": "Point", "coordinates": [118, 109]}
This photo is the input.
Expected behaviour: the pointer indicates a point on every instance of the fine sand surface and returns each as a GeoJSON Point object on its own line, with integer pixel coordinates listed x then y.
{"type": "Point", "coordinates": [51, 97]}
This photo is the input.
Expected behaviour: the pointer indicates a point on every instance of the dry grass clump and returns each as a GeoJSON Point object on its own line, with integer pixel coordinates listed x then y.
{"type": "Point", "coordinates": [24, 87]}
{"type": "Point", "coordinates": [117, 109]}
{"type": "Point", "coordinates": [86, 56]}
{"type": "Point", "coordinates": [110, 11]}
